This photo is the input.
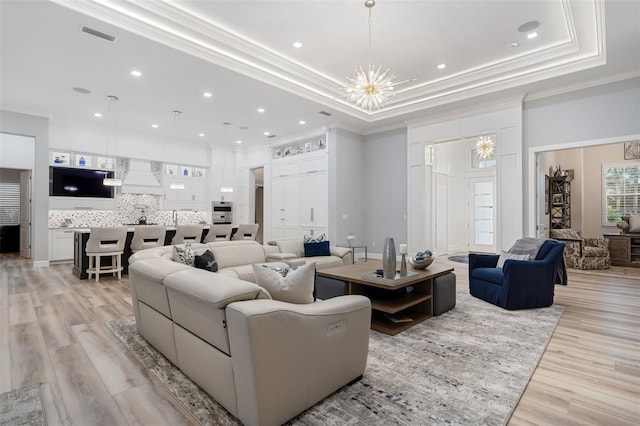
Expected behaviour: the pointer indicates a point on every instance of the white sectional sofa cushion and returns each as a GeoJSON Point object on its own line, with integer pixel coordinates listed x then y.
{"type": "Point", "coordinates": [291, 250]}
{"type": "Point", "coordinates": [265, 361]}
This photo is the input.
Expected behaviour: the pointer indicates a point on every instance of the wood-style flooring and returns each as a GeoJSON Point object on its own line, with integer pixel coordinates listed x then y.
{"type": "Point", "coordinates": [52, 333]}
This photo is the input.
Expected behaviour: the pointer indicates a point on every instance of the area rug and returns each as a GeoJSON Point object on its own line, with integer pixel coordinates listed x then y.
{"type": "Point", "coordinates": [22, 407]}
{"type": "Point", "coordinates": [468, 366]}
{"type": "Point", "coordinates": [460, 259]}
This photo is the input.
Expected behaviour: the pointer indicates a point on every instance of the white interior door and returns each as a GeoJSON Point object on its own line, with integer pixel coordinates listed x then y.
{"type": "Point", "coordinates": [25, 214]}
{"type": "Point", "coordinates": [482, 218]}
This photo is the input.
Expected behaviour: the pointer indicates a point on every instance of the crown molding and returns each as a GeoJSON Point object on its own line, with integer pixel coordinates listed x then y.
{"type": "Point", "coordinates": [532, 96]}
{"type": "Point", "coordinates": [178, 26]}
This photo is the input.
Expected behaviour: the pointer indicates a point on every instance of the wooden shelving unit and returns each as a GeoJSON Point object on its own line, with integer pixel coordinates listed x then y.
{"type": "Point", "coordinates": [559, 202]}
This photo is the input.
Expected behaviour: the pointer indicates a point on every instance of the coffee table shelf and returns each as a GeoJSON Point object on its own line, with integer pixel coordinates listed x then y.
{"type": "Point", "coordinates": [391, 299]}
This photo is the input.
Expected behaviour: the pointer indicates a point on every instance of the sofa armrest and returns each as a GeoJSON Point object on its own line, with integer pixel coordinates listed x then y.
{"type": "Point", "coordinates": [269, 250]}
{"type": "Point", "coordinates": [287, 357]}
{"type": "Point", "coordinates": [344, 253]}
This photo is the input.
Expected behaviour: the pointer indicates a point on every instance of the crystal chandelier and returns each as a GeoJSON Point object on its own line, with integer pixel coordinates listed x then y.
{"type": "Point", "coordinates": [484, 148]}
{"type": "Point", "coordinates": [371, 88]}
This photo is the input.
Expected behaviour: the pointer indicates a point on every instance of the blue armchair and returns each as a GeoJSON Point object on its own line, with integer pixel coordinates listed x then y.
{"type": "Point", "coordinates": [519, 284]}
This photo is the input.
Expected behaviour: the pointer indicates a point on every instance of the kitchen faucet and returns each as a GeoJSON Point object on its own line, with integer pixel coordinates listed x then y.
{"type": "Point", "coordinates": [175, 218]}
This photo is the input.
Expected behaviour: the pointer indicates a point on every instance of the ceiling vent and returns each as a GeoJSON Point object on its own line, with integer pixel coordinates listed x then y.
{"type": "Point", "coordinates": [328, 114]}
{"type": "Point", "coordinates": [271, 136]}
{"type": "Point", "coordinates": [97, 33]}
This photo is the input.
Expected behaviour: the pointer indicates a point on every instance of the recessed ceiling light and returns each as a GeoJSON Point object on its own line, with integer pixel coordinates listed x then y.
{"type": "Point", "coordinates": [260, 109]}
{"type": "Point", "coordinates": [136, 73]}
{"type": "Point", "coordinates": [297, 45]}
{"type": "Point", "coordinates": [97, 114]}
{"type": "Point", "coordinates": [442, 66]}
{"type": "Point", "coordinates": [302, 122]}
{"type": "Point", "coordinates": [529, 26]}
{"type": "Point", "coordinates": [532, 35]}
{"type": "Point", "coordinates": [513, 44]}
{"type": "Point", "coordinates": [238, 142]}
{"type": "Point", "coordinates": [155, 126]}
{"type": "Point", "coordinates": [201, 134]}
{"type": "Point", "coordinates": [207, 94]}
{"type": "Point", "coordinates": [81, 90]}
{"type": "Point", "coordinates": [266, 133]}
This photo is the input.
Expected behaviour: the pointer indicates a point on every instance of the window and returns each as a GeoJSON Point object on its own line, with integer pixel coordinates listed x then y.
{"type": "Point", "coordinates": [622, 192]}
{"type": "Point", "coordinates": [9, 203]}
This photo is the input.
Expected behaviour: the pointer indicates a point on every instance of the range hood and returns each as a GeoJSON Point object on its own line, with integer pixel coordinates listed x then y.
{"type": "Point", "coordinates": [140, 179]}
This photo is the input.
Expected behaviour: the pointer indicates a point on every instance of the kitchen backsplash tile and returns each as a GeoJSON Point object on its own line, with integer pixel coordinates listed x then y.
{"type": "Point", "coordinates": [129, 209]}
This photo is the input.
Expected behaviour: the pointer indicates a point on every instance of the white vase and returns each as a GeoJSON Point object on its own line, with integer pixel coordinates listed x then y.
{"type": "Point", "coordinates": [389, 259]}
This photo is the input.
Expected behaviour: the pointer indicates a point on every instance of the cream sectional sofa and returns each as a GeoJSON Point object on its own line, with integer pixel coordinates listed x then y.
{"type": "Point", "coordinates": [291, 250]}
{"type": "Point", "coordinates": [263, 360]}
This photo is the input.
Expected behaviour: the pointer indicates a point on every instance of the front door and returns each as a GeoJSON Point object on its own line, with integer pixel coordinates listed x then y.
{"type": "Point", "coordinates": [482, 214]}
{"type": "Point", "coordinates": [25, 214]}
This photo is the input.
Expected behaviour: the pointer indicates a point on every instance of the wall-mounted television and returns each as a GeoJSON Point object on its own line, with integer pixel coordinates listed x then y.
{"type": "Point", "coordinates": [70, 182]}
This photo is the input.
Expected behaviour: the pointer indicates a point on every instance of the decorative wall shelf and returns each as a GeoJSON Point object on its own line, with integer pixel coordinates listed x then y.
{"type": "Point", "coordinates": [302, 146]}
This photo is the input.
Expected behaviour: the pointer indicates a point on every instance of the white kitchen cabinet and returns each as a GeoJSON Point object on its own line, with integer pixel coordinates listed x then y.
{"type": "Point", "coordinates": [299, 198]}
{"type": "Point", "coordinates": [61, 244]}
{"type": "Point", "coordinates": [314, 210]}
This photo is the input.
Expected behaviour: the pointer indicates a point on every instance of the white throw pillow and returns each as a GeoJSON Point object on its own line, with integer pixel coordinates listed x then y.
{"type": "Point", "coordinates": [184, 254]}
{"type": "Point", "coordinates": [294, 285]}
{"type": "Point", "coordinates": [634, 224]}
{"type": "Point", "coordinates": [505, 255]}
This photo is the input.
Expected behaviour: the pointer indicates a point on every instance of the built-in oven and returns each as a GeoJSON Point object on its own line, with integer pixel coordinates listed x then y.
{"type": "Point", "coordinates": [222, 212]}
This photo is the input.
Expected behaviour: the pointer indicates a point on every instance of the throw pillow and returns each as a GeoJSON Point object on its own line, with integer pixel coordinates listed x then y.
{"type": "Point", "coordinates": [293, 285]}
{"type": "Point", "coordinates": [184, 254]}
{"type": "Point", "coordinates": [206, 261]}
{"type": "Point", "coordinates": [320, 238]}
{"type": "Point", "coordinates": [504, 256]}
{"type": "Point", "coordinates": [634, 223]}
{"type": "Point", "coordinates": [317, 249]}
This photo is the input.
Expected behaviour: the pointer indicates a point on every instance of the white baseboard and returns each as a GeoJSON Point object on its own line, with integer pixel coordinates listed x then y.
{"type": "Point", "coordinates": [41, 264]}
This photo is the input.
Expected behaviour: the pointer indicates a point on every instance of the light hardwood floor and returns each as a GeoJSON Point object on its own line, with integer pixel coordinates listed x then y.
{"type": "Point", "coordinates": [52, 332]}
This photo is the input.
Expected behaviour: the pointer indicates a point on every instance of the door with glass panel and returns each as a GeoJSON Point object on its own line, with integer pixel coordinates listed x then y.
{"type": "Point", "coordinates": [482, 217]}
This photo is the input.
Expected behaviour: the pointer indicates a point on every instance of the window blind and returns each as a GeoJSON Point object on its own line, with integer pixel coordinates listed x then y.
{"type": "Point", "coordinates": [622, 189]}
{"type": "Point", "coordinates": [9, 203]}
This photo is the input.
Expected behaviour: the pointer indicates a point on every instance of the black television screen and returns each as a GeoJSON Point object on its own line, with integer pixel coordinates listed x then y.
{"type": "Point", "coordinates": [69, 182]}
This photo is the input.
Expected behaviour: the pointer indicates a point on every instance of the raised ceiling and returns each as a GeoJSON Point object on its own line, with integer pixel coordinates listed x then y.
{"type": "Point", "coordinates": [242, 52]}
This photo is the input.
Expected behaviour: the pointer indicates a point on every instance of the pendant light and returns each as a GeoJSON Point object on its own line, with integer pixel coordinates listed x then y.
{"type": "Point", "coordinates": [224, 188]}
{"type": "Point", "coordinates": [114, 181]}
{"type": "Point", "coordinates": [176, 114]}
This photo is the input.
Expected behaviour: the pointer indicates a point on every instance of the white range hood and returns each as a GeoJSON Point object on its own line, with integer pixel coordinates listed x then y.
{"type": "Point", "coordinates": [140, 179]}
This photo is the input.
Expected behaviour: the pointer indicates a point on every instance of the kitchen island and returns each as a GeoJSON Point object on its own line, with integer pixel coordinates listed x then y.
{"type": "Point", "coordinates": [81, 260]}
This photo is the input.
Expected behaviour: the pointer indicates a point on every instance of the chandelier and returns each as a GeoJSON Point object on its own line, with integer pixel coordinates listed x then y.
{"type": "Point", "coordinates": [371, 88]}
{"type": "Point", "coordinates": [484, 148]}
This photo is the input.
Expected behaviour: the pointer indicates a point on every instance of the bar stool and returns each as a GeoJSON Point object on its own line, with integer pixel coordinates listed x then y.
{"type": "Point", "coordinates": [218, 233]}
{"type": "Point", "coordinates": [147, 236]}
{"type": "Point", "coordinates": [246, 231]}
{"type": "Point", "coordinates": [191, 233]}
{"type": "Point", "coordinates": [105, 242]}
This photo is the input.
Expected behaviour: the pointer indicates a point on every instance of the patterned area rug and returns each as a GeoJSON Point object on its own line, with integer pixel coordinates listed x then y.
{"type": "Point", "coordinates": [22, 407]}
{"type": "Point", "coordinates": [460, 259]}
{"type": "Point", "coordinates": [468, 366]}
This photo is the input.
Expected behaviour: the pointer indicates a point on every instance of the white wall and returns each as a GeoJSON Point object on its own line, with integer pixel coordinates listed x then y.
{"type": "Point", "coordinates": [609, 111]}
{"type": "Point", "coordinates": [37, 127]}
{"type": "Point", "coordinates": [346, 184]}
{"type": "Point", "coordinates": [385, 188]}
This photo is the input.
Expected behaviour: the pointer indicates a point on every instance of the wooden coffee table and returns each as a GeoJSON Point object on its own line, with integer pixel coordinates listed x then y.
{"type": "Point", "coordinates": [393, 308]}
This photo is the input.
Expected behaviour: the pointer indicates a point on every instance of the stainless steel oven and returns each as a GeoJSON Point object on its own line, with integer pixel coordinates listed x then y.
{"type": "Point", "coordinates": [222, 212]}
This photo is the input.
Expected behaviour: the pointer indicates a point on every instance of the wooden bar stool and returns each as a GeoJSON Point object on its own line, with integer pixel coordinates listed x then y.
{"type": "Point", "coordinates": [190, 233]}
{"type": "Point", "coordinates": [218, 233]}
{"type": "Point", "coordinates": [105, 242]}
{"type": "Point", "coordinates": [147, 236]}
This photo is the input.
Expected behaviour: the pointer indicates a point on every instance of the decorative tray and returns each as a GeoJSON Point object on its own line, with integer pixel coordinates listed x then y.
{"type": "Point", "coordinates": [374, 276]}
